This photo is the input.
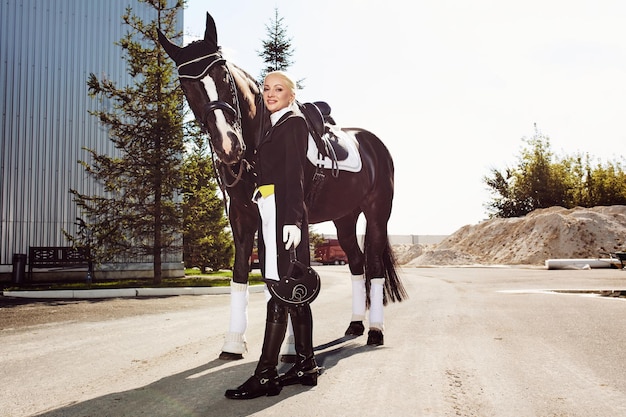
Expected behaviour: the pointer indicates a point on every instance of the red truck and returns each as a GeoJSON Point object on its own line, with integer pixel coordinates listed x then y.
{"type": "Point", "coordinates": [329, 252]}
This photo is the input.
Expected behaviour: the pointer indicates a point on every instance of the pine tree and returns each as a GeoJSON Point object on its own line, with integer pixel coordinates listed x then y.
{"type": "Point", "coordinates": [277, 50]}
{"type": "Point", "coordinates": [206, 242]}
{"type": "Point", "coordinates": [138, 212]}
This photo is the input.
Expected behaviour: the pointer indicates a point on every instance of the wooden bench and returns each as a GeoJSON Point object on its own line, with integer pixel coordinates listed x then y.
{"type": "Point", "coordinates": [56, 257]}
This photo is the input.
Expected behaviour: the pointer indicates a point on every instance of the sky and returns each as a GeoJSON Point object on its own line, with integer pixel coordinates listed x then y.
{"type": "Point", "coordinates": [452, 87]}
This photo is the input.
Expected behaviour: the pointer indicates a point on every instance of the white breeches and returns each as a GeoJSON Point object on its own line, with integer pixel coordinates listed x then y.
{"type": "Point", "coordinates": [267, 210]}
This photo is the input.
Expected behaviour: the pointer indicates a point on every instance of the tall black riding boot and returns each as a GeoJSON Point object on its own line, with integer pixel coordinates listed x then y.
{"type": "Point", "coordinates": [265, 379]}
{"type": "Point", "coordinates": [305, 370]}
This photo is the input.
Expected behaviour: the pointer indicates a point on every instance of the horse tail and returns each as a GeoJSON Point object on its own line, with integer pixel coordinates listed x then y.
{"type": "Point", "coordinates": [394, 288]}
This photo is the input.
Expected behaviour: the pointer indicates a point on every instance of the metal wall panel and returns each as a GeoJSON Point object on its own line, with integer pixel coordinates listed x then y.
{"type": "Point", "coordinates": [47, 51]}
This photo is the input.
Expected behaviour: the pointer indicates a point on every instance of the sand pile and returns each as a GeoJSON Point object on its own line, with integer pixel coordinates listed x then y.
{"type": "Point", "coordinates": [405, 253]}
{"type": "Point", "coordinates": [530, 240]}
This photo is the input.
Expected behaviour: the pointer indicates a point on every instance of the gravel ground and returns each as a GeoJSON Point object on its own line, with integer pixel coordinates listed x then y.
{"type": "Point", "coordinates": [468, 342]}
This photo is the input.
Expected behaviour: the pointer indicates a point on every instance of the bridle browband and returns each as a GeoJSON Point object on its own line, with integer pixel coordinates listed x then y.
{"type": "Point", "coordinates": [217, 57]}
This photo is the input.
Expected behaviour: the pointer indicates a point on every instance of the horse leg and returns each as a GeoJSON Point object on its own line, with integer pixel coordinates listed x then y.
{"type": "Point", "coordinates": [288, 352]}
{"type": "Point", "coordinates": [243, 220]}
{"type": "Point", "coordinates": [375, 243]}
{"type": "Point", "coordinates": [235, 340]}
{"type": "Point", "coordinates": [346, 234]}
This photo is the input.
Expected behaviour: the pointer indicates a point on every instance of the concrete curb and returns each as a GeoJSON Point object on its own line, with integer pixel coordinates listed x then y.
{"type": "Point", "coordinates": [126, 292]}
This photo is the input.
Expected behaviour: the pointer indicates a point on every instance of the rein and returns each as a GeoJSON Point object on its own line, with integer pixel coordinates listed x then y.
{"type": "Point", "coordinates": [221, 181]}
{"type": "Point", "coordinates": [237, 177]}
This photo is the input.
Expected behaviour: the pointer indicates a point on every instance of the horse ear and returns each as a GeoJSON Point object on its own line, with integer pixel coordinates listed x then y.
{"type": "Point", "coordinates": [172, 50]}
{"type": "Point", "coordinates": [210, 33]}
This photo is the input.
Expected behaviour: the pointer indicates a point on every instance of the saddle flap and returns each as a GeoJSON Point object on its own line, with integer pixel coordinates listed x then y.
{"type": "Point", "coordinates": [338, 145]}
{"type": "Point", "coordinates": [314, 118]}
{"type": "Point", "coordinates": [328, 143]}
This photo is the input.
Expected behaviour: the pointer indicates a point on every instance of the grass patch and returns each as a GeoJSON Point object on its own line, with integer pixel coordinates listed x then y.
{"type": "Point", "coordinates": [192, 278]}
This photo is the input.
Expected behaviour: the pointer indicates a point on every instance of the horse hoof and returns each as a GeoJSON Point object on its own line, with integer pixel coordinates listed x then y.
{"type": "Point", "coordinates": [227, 356]}
{"type": "Point", "coordinates": [355, 328]}
{"type": "Point", "coordinates": [375, 338]}
{"type": "Point", "coordinates": [288, 358]}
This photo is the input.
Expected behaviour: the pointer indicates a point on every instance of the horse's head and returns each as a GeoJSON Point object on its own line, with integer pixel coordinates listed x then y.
{"type": "Point", "coordinates": [211, 91]}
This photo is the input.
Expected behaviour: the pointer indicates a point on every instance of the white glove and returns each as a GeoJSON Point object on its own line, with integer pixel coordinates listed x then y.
{"type": "Point", "coordinates": [291, 236]}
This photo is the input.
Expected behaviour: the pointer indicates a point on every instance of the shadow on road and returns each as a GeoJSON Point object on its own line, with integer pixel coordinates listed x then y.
{"type": "Point", "coordinates": [200, 391]}
{"type": "Point", "coordinates": [7, 302]}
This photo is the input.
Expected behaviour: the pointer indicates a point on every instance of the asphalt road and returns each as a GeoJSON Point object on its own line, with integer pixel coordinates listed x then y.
{"type": "Point", "coordinates": [469, 342]}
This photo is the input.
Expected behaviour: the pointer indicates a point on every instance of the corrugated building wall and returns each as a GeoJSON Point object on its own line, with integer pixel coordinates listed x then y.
{"type": "Point", "coordinates": [48, 49]}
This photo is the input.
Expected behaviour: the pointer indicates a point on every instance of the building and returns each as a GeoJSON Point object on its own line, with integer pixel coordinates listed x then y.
{"type": "Point", "coordinates": [48, 48]}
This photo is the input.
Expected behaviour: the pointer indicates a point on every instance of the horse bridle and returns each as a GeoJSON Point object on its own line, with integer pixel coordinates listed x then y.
{"type": "Point", "coordinates": [185, 70]}
{"type": "Point", "coordinates": [216, 58]}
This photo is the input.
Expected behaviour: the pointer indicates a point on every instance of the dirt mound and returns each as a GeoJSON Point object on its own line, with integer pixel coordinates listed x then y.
{"type": "Point", "coordinates": [550, 233]}
{"type": "Point", "coordinates": [405, 253]}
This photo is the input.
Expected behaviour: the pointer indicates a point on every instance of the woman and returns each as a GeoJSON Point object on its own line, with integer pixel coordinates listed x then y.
{"type": "Point", "coordinates": [280, 160]}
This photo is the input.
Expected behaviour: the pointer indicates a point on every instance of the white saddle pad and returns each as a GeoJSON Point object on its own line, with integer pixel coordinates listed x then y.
{"type": "Point", "coordinates": [352, 163]}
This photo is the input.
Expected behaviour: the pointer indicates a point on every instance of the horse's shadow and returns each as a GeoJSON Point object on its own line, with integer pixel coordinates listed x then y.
{"type": "Point", "coordinates": [200, 391]}
{"type": "Point", "coordinates": [327, 357]}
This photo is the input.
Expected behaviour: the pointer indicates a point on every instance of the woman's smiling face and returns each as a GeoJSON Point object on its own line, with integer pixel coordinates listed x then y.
{"type": "Point", "coordinates": [276, 94]}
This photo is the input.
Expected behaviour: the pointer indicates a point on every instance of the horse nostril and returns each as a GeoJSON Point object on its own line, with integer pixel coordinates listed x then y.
{"type": "Point", "coordinates": [236, 142]}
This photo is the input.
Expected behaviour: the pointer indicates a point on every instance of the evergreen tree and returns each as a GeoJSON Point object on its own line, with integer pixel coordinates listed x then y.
{"type": "Point", "coordinates": [206, 242]}
{"type": "Point", "coordinates": [277, 50]}
{"type": "Point", "coordinates": [138, 212]}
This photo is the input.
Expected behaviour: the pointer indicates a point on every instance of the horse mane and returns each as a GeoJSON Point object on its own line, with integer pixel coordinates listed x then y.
{"type": "Point", "coordinates": [251, 104]}
{"type": "Point", "coordinates": [247, 85]}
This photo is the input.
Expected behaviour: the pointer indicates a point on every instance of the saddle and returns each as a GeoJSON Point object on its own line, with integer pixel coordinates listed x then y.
{"type": "Point", "coordinates": [321, 123]}
{"type": "Point", "coordinates": [329, 147]}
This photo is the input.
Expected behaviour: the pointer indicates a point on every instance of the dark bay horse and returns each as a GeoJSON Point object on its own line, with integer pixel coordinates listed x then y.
{"type": "Point", "coordinates": [228, 103]}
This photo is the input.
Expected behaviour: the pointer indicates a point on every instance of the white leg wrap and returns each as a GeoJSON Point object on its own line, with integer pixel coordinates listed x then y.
{"type": "Point", "coordinates": [376, 303]}
{"type": "Point", "coordinates": [235, 339]}
{"type": "Point", "coordinates": [358, 298]}
{"type": "Point", "coordinates": [238, 307]}
{"type": "Point", "coordinates": [235, 343]}
{"type": "Point", "coordinates": [289, 347]}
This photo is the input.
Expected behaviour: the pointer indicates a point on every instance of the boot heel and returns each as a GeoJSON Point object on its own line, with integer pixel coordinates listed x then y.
{"type": "Point", "coordinates": [310, 380]}
{"type": "Point", "coordinates": [274, 388]}
{"type": "Point", "coordinates": [293, 377]}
